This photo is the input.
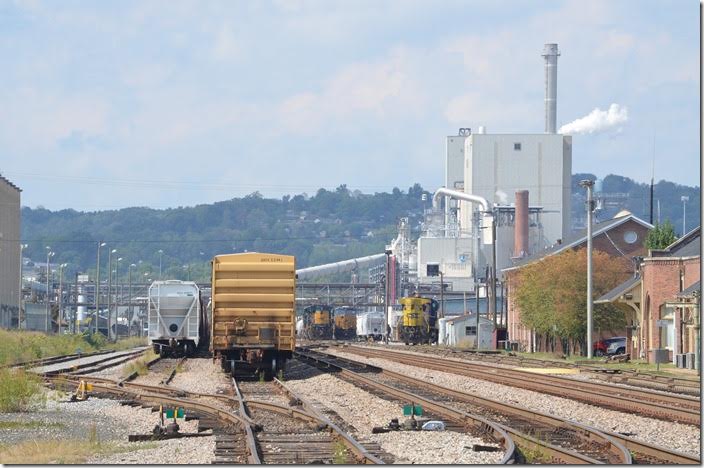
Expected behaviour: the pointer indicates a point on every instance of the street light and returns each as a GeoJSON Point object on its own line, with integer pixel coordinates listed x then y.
{"type": "Point", "coordinates": [161, 253]}
{"type": "Point", "coordinates": [61, 292]}
{"type": "Point", "coordinates": [110, 288]}
{"type": "Point", "coordinates": [589, 184]}
{"type": "Point", "coordinates": [97, 285]}
{"type": "Point", "coordinates": [19, 298]}
{"type": "Point", "coordinates": [49, 254]}
{"type": "Point", "coordinates": [386, 296]}
{"type": "Point", "coordinates": [684, 199]}
{"type": "Point", "coordinates": [130, 311]}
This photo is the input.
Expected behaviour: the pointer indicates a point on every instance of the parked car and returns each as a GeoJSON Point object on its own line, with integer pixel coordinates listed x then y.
{"type": "Point", "coordinates": [617, 347]}
{"type": "Point", "coordinates": [601, 348]}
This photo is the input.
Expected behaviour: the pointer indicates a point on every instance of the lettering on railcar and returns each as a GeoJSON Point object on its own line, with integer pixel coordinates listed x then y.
{"type": "Point", "coordinates": [271, 259]}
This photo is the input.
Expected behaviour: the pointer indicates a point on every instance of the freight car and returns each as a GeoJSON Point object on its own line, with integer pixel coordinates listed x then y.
{"type": "Point", "coordinates": [176, 320]}
{"type": "Point", "coordinates": [253, 312]}
{"type": "Point", "coordinates": [345, 323]}
{"type": "Point", "coordinates": [317, 322]}
{"type": "Point", "coordinates": [418, 321]}
{"type": "Point", "coordinates": [370, 326]}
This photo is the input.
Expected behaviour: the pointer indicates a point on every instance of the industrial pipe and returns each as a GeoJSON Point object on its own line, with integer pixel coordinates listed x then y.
{"type": "Point", "coordinates": [487, 210]}
{"type": "Point", "coordinates": [339, 267]}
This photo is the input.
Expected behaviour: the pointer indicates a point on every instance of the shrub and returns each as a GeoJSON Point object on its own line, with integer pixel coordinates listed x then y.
{"type": "Point", "coordinates": [19, 390]}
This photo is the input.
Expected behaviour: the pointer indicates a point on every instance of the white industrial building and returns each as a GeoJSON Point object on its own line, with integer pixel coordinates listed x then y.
{"type": "Point", "coordinates": [494, 167]}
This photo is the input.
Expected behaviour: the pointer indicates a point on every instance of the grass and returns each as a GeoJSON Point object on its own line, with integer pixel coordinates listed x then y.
{"type": "Point", "coordinates": [22, 345]}
{"type": "Point", "coordinates": [139, 365]}
{"type": "Point", "coordinates": [20, 391]}
{"type": "Point", "coordinates": [339, 455]}
{"type": "Point", "coordinates": [9, 425]}
{"type": "Point", "coordinates": [71, 451]}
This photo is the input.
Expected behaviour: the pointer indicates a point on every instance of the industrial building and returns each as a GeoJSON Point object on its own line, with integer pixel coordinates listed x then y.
{"type": "Point", "coordinates": [9, 253]}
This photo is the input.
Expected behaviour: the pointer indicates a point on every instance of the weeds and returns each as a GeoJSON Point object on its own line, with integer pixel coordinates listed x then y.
{"type": "Point", "coordinates": [139, 365]}
{"type": "Point", "coordinates": [339, 454]}
{"type": "Point", "coordinates": [20, 391]}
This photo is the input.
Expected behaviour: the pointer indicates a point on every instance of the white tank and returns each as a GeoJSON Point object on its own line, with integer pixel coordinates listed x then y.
{"type": "Point", "coordinates": [299, 327]}
{"type": "Point", "coordinates": [81, 309]}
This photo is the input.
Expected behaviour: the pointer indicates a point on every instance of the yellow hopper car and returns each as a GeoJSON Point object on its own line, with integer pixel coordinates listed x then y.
{"type": "Point", "coordinates": [253, 311]}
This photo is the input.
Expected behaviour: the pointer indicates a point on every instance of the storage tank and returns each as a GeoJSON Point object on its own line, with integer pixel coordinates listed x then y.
{"type": "Point", "coordinates": [81, 309]}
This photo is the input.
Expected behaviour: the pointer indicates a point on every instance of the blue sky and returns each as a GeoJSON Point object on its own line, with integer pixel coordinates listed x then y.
{"type": "Point", "coordinates": [112, 104]}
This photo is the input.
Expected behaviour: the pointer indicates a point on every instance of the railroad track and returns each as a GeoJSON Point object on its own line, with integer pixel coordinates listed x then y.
{"type": "Point", "coordinates": [668, 407]}
{"type": "Point", "coordinates": [639, 378]}
{"type": "Point", "coordinates": [519, 421]}
{"type": "Point", "coordinates": [70, 367]}
{"type": "Point", "coordinates": [289, 435]}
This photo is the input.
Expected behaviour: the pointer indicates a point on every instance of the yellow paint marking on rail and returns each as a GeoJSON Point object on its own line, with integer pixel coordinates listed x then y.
{"type": "Point", "coordinates": [548, 370]}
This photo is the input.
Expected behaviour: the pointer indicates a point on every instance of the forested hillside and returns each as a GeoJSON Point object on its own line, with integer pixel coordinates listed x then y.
{"type": "Point", "coordinates": [329, 226]}
{"type": "Point", "coordinates": [326, 227]}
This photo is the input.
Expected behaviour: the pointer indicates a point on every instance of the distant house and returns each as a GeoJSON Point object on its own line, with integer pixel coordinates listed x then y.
{"type": "Point", "coordinates": [624, 235]}
{"type": "Point", "coordinates": [663, 297]}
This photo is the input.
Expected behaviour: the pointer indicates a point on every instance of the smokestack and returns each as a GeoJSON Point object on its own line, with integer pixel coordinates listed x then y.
{"type": "Point", "coordinates": [520, 238]}
{"type": "Point", "coordinates": [550, 54]}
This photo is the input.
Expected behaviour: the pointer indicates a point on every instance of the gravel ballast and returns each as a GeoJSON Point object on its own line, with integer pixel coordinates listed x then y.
{"type": "Point", "coordinates": [363, 411]}
{"type": "Point", "coordinates": [671, 435]}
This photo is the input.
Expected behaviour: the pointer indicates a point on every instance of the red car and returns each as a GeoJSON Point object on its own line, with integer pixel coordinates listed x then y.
{"type": "Point", "coordinates": [601, 347]}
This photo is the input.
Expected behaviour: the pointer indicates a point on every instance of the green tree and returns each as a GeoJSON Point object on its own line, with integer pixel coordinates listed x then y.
{"type": "Point", "coordinates": [660, 236]}
{"type": "Point", "coordinates": [552, 295]}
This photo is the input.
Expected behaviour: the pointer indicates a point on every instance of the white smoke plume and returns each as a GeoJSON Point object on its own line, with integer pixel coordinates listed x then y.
{"type": "Point", "coordinates": [597, 121]}
{"type": "Point", "coordinates": [503, 198]}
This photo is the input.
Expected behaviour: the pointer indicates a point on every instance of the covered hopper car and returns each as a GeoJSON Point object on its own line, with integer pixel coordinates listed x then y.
{"type": "Point", "coordinates": [253, 312]}
{"type": "Point", "coordinates": [176, 320]}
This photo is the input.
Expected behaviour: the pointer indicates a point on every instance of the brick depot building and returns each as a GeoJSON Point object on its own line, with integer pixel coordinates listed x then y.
{"type": "Point", "coordinates": [624, 235]}
{"type": "Point", "coordinates": [664, 295]}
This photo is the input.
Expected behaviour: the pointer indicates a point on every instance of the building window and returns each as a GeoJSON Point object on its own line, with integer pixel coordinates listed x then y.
{"type": "Point", "coordinates": [470, 331]}
{"type": "Point", "coordinates": [517, 147]}
{"type": "Point", "coordinates": [630, 237]}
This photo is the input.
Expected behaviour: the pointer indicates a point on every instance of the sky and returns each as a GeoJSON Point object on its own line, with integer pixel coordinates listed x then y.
{"type": "Point", "coordinates": [171, 103]}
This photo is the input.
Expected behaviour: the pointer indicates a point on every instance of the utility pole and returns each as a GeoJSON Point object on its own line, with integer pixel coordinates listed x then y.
{"type": "Point", "coordinates": [110, 252]}
{"type": "Point", "coordinates": [49, 254]}
{"type": "Point", "coordinates": [386, 296]}
{"type": "Point", "coordinates": [161, 253]}
{"type": "Point", "coordinates": [61, 293]}
{"type": "Point", "coordinates": [492, 303]}
{"type": "Point", "coordinates": [442, 295]}
{"type": "Point", "coordinates": [130, 309]}
{"type": "Point", "coordinates": [97, 286]}
{"type": "Point", "coordinates": [118, 293]}
{"type": "Point", "coordinates": [19, 298]}
{"type": "Point", "coordinates": [589, 184]}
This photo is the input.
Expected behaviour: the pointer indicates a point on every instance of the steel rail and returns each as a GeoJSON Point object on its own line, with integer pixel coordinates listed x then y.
{"type": "Point", "coordinates": [605, 395]}
{"type": "Point", "coordinates": [361, 454]}
{"type": "Point", "coordinates": [643, 376]}
{"type": "Point", "coordinates": [469, 421]}
{"type": "Point", "coordinates": [251, 440]}
{"type": "Point", "coordinates": [41, 362]}
{"type": "Point", "coordinates": [643, 452]}
{"type": "Point", "coordinates": [94, 366]}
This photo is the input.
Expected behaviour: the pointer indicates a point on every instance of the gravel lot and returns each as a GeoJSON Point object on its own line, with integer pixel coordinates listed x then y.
{"type": "Point", "coordinates": [202, 375]}
{"type": "Point", "coordinates": [363, 411]}
{"type": "Point", "coordinates": [111, 422]}
{"type": "Point", "coordinates": [667, 434]}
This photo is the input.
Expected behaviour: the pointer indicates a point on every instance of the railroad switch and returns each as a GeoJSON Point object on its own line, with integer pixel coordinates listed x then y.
{"type": "Point", "coordinates": [82, 391]}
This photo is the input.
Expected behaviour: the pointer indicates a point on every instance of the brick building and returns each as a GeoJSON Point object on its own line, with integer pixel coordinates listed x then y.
{"type": "Point", "coordinates": [624, 235]}
{"type": "Point", "coordinates": [663, 296]}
